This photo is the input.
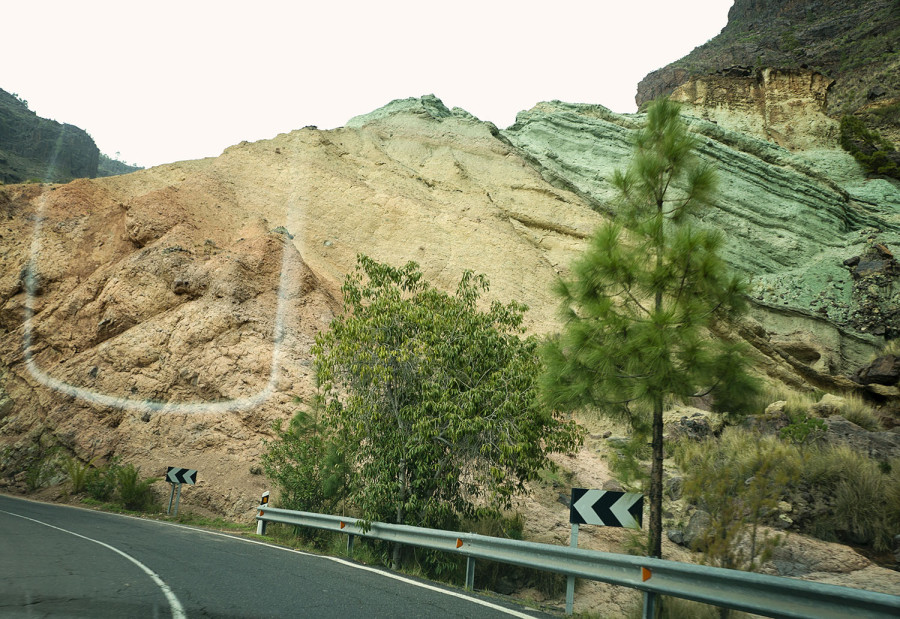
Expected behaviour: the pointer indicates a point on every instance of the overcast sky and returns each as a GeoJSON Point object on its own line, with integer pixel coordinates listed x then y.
{"type": "Point", "coordinates": [168, 80]}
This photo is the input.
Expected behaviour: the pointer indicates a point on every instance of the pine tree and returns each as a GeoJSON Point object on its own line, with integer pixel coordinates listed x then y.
{"type": "Point", "coordinates": [638, 303]}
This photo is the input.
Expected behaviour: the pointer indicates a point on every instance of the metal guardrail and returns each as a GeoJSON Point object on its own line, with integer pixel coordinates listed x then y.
{"type": "Point", "coordinates": [761, 594]}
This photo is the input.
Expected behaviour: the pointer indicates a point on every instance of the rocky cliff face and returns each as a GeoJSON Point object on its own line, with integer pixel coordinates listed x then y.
{"type": "Point", "coordinates": [855, 44]}
{"type": "Point", "coordinates": [36, 148]}
{"type": "Point", "coordinates": [786, 107]}
{"type": "Point", "coordinates": [800, 282]}
{"type": "Point", "coordinates": [166, 316]}
{"type": "Point", "coordinates": [174, 308]}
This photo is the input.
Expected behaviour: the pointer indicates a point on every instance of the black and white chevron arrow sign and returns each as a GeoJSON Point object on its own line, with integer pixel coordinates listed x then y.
{"type": "Point", "coordinates": [605, 507]}
{"type": "Point", "coordinates": [176, 475]}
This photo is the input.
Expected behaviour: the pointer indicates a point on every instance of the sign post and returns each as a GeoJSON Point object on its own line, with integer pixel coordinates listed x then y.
{"type": "Point", "coordinates": [177, 476]}
{"type": "Point", "coordinates": [605, 508]}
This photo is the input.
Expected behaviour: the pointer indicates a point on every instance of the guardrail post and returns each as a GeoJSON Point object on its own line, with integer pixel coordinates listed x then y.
{"type": "Point", "coordinates": [470, 573]}
{"type": "Point", "coordinates": [570, 580]}
{"type": "Point", "coordinates": [261, 524]}
{"type": "Point", "coordinates": [349, 545]}
{"type": "Point", "coordinates": [649, 605]}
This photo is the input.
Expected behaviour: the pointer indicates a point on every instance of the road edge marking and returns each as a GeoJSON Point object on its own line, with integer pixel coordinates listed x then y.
{"type": "Point", "coordinates": [174, 604]}
{"type": "Point", "coordinates": [508, 611]}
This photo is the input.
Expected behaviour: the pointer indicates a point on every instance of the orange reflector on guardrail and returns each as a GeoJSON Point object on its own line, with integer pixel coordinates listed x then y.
{"type": "Point", "coordinates": [343, 525]}
{"type": "Point", "coordinates": [260, 512]}
{"type": "Point", "coordinates": [645, 574]}
{"type": "Point", "coordinates": [458, 543]}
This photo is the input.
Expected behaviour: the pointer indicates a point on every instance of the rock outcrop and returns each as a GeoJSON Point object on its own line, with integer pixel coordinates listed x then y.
{"type": "Point", "coordinates": [801, 286]}
{"type": "Point", "coordinates": [36, 148]}
{"type": "Point", "coordinates": [854, 44]}
{"type": "Point", "coordinates": [785, 107]}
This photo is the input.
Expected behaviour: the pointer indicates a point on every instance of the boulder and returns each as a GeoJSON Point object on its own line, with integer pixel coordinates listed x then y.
{"type": "Point", "coordinates": [885, 370]}
{"type": "Point", "coordinates": [698, 524]}
{"type": "Point", "coordinates": [695, 428]}
{"type": "Point", "coordinates": [829, 405]}
{"type": "Point", "coordinates": [881, 446]}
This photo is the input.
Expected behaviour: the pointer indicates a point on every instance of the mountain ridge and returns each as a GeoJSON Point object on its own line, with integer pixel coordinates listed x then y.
{"type": "Point", "coordinates": [855, 45]}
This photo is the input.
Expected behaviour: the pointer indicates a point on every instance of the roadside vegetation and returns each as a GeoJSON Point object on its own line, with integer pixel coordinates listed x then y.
{"type": "Point", "coordinates": [427, 412]}
{"type": "Point", "coordinates": [112, 485]}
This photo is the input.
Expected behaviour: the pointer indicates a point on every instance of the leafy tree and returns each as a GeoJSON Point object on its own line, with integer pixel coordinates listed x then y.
{"type": "Point", "coordinates": [638, 303]}
{"type": "Point", "coordinates": [305, 464]}
{"type": "Point", "coordinates": [431, 400]}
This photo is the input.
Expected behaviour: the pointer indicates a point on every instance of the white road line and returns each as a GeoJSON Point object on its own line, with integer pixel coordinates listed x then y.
{"type": "Point", "coordinates": [415, 583]}
{"type": "Point", "coordinates": [503, 609]}
{"type": "Point", "coordinates": [174, 604]}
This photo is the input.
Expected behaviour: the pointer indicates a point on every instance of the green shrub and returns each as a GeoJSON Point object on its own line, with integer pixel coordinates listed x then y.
{"type": "Point", "coordinates": [134, 492]}
{"type": "Point", "coordinates": [867, 506]}
{"type": "Point", "coordinates": [100, 482]}
{"type": "Point", "coordinates": [304, 464]}
{"type": "Point", "coordinates": [875, 153]}
{"type": "Point", "coordinates": [865, 494]}
{"type": "Point", "coordinates": [803, 431]}
{"type": "Point", "coordinates": [37, 474]}
{"type": "Point", "coordinates": [78, 473]}
{"type": "Point", "coordinates": [738, 479]}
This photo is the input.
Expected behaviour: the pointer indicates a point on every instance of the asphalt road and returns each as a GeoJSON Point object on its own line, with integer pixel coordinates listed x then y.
{"type": "Point", "coordinates": [68, 562]}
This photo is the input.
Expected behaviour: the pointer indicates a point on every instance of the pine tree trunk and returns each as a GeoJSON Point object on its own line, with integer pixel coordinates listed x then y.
{"type": "Point", "coordinates": [656, 477]}
{"type": "Point", "coordinates": [656, 466]}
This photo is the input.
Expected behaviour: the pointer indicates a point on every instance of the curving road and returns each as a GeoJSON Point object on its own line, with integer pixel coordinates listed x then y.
{"type": "Point", "coordinates": [69, 562]}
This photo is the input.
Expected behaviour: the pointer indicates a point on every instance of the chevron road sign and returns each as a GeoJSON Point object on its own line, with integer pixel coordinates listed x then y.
{"type": "Point", "coordinates": [176, 475]}
{"type": "Point", "coordinates": [604, 507]}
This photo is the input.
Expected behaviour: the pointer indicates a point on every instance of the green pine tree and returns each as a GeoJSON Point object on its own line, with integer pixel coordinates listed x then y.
{"type": "Point", "coordinates": [639, 302]}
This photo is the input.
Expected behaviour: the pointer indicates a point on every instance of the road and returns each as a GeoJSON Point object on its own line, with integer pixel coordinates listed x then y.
{"type": "Point", "coordinates": [69, 562]}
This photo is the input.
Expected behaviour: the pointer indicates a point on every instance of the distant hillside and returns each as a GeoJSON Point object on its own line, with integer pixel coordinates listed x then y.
{"type": "Point", "coordinates": [113, 167]}
{"type": "Point", "coordinates": [36, 148]}
{"type": "Point", "coordinates": [856, 44]}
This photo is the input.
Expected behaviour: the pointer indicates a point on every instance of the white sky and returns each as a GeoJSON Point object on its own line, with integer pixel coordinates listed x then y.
{"type": "Point", "coordinates": [165, 80]}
